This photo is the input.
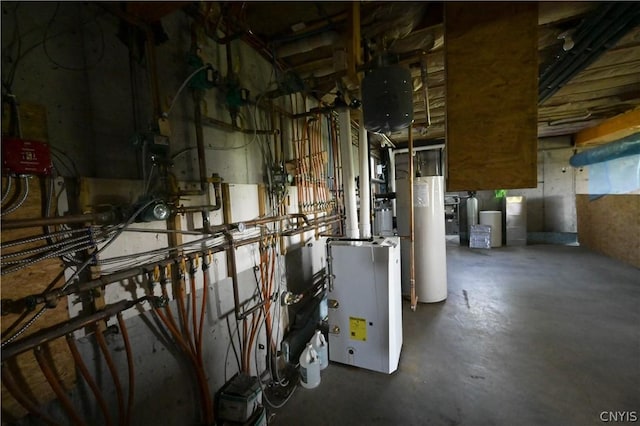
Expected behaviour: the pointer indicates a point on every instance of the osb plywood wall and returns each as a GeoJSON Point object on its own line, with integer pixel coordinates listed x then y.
{"type": "Point", "coordinates": [32, 280]}
{"type": "Point", "coordinates": [611, 225]}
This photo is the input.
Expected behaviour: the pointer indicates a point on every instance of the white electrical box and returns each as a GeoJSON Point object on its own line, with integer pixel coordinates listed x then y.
{"type": "Point", "coordinates": [365, 303]}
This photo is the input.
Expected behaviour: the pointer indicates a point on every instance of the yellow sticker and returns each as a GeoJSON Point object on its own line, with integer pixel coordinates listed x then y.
{"type": "Point", "coordinates": [358, 329]}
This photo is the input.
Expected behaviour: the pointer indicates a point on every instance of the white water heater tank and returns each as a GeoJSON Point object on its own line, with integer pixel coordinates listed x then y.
{"type": "Point", "coordinates": [429, 233]}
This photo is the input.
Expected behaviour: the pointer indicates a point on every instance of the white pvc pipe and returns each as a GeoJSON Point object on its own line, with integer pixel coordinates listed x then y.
{"type": "Point", "coordinates": [365, 182]}
{"type": "Point", "coordinates": [419, 148]}
{"type": "Point", "coordinates": [391, 186]}
{"type": "Point", "coordinates": [348, 175]}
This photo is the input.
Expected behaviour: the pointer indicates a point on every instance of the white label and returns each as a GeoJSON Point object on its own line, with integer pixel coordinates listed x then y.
{"type": "Point", "coordinates": [420, 195]}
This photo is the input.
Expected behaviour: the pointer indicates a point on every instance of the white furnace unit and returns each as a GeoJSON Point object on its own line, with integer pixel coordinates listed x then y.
{"type": "Point", "coordinates": [365, 303]}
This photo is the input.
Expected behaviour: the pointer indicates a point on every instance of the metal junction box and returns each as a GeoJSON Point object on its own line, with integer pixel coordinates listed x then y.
{"type": "Point", "coordinates": [365, 303]}
{"type": "Point", "coordinates": [23, 157]}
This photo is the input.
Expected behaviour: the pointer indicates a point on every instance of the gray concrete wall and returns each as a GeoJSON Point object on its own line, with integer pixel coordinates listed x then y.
{"type": "Point", "coordinates": [551, 205]}
{"type": "Point", "coordinates": [55, 78]}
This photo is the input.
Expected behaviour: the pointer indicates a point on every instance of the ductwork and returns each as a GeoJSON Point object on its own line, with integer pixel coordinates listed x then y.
{"type": "Point", "coordinates": [624, 147]}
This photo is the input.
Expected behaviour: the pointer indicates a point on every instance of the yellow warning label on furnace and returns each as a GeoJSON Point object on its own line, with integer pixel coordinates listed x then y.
{"type": "Point", "coordinates": [358, 329]}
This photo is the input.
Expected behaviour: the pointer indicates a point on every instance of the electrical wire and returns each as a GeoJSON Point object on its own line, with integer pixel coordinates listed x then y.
{"type": "Point", "coordinates": [68, 157]}
{"type": "Point", "coordinates": [153, 252]}
{"type": "Point", "coordinates": [41, 249]}
{"type": "Point", "coordinates": [66, 167]}
{"type": "Point", "coordinates": [27, 240]}
{"type": "Point", "coordinates": [16, 38]}
{"type": "Point", "coordinates": [30, 262]}
{"type": "Point", "coordinates": [6, 192]}
{"type": "Point", "coordinates": [8, 83]}
{"type": "Point", "coordinates": [64, 67]}
{"type": "Point", "coordinates": [148, 183]}
{"type": "Point", "coordinates": [77, 273]}
{"type": "Point", "coordinates": [182, 86]}
{"type": "Point", "coordinates": [25, 194]}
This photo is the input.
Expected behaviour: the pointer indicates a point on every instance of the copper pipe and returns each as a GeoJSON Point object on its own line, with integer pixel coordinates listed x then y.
{"type": "Point", "coordinates": [412, 247]}
{"type": "Point", "coordinates": [245, 341]}
{"type": "Point", "coordinates": [45, 335]}
{"type": "Point", "coordinates": [233, 272]}
{"type": "Point", "coordinates": [327, 220]}
{"type": "Point", "coordinates": [177, 336]}
{"type": "Point", "coordinates": [189, 348]}
{"type": "Point", "coordinates": [300, 174]}
{"type": "Point", "coordinates": [104, 280]}
{"type": "Point", "coordinates": [167, 307]}
{"type": "Point", "coordinates": [57, 387]}
{"type": "Point", "coordinates": [114, 372]}
{"type": "Point", "coordinates": [179, 295]}
{"type": "Point", "coordinates": [14, 389]}
{"type": "Point", "coordinates": [132, 376]}
{"type": "Point", "coordinates": [205, 290]}
{"type": "Point", "coordinates": [197, 114]}
{"type": "Point", "coordinates": [194, 314]}
{"type": "Point", "coordinates": [71, 342]}
{"type": "Point", "coordinates": [202, 384]}
{"type": "Point", "coordinates": [312, 166]}
{"type": "Point", "coordinates": [213, 122]}
{"type": "Point", "coordinates": [425, 89]}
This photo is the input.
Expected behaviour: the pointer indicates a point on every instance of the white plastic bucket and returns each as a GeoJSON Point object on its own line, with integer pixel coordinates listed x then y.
{"type": "Point", "coordinates": [494, 219]}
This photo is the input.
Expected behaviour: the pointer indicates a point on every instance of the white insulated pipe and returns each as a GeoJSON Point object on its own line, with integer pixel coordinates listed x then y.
{"type": "Point", "coordinates": [348, 175]}
{"type": "Point", "coordinates": [391, 187]}
{"type": "Point", "coordinates": [365, 181]}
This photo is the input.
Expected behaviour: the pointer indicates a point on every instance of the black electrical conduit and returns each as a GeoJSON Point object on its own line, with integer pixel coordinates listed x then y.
{"type": "Point", "coordinates": [595, 34]}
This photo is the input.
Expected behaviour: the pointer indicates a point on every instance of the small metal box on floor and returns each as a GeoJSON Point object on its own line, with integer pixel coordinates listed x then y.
{"type": "Point", "coordinates": [480, 236]}
{"type": "Point", "coordinates": [365, 303]}
{"type": "Point", "coordinates": [239, 399]}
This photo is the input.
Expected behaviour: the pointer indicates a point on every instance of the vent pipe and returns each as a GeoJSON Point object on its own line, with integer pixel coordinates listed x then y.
{"type": "Point", "coordinates": [365, 182]}
{"type": "Point", "coordinates": [348, 175]}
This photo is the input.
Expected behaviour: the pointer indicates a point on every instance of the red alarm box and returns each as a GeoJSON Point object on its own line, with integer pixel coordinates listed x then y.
{"type": "Point", "coordinates": [23, 157]}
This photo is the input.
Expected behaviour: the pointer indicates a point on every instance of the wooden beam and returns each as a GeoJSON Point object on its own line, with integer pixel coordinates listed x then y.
{"type": "Point", "coordinates": [555, 12]}
{"type": "Point", "coordinates": [610, 130]}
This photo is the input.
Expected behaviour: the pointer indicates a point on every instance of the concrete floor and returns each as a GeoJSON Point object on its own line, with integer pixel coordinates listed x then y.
{"type": "Point", "coordinates": [535, 335]}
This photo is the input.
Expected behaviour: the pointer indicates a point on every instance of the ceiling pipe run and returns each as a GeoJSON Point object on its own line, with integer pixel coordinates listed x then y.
{"type": "Point", "coordinates": [595, 34]}
{"type": "Point", "coordinates": [624, 147]}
